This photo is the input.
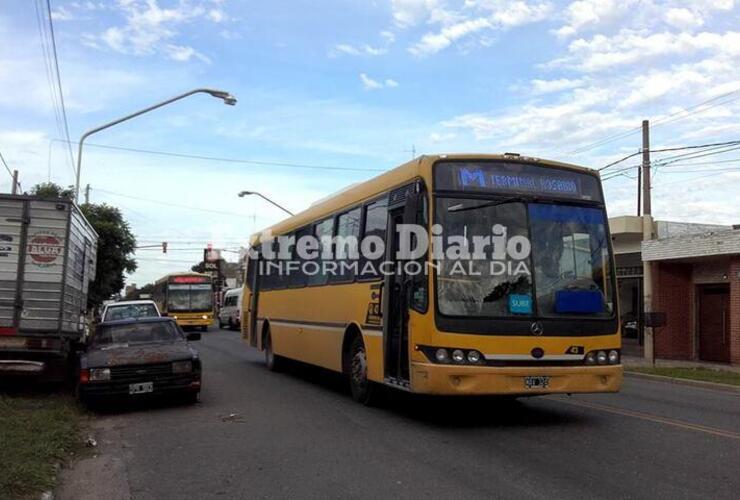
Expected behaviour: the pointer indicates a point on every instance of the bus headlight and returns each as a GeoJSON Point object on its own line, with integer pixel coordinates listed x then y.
{"type": "Point", "coordinates": [204, 317]}
{"type": "Point", "coordinates": [442, 356]}
{"type": "Point", "coordinates": [613, 357]}
{"type": "Point", "coordinates": [591, 358]}
{"type": "Point", "coordinates": [99, 374]}
{"type": "Point", "coordinates": [601, 357]}
{"type": "Point", "coordinates": [458, 356]}
{"type": "Point", "coordinates": [474, 357]}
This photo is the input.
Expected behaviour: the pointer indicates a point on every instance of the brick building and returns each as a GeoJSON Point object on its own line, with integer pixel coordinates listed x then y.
{"type": "Point", "coordinates": [696, 283]}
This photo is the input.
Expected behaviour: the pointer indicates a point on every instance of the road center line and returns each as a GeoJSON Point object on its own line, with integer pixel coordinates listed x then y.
{"type": "Point", "coordinates": [651, 418]}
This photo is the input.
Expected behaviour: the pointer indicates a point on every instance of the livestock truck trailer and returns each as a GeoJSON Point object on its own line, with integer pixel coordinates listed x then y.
{"type": "Point", "coordinates": [48, 255]}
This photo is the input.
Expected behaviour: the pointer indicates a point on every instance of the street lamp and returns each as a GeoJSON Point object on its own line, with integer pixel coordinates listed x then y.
{"type": "Point", "coordinates": [220, 94]}
{"type": "Point", "coordinates": [247, 193]}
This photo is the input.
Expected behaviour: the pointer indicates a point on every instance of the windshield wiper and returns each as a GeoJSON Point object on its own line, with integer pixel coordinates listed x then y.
{"type": "Point", "coordinates": [493, 203]}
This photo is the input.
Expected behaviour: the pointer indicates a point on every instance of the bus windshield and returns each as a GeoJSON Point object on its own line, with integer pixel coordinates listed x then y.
{"type": "Point", "coordinates": [517, 259]}
{"type": "Point", "coordinates": [187, 297]}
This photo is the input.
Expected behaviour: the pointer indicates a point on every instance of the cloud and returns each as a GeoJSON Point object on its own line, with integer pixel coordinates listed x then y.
{"type": "Point", "coordinates": [475, 17]}
{"type": "Point", "coordinates": [347, 49]}
{"type": "Point", "coordinates": [434, 42]}
{"type": "Point", "coordinates": [149, 29]}
{"type": "Point", "coordinates": [628, 46]}
{"type": "Point", "coordinates": [371, 84]}
{"type": "Point", "coordinates": [550, 86]}
{"type": "Point", "coordinates": [411, 12]}
{"type": "Point", "coordinates": [591, 13]}
{"type": "Point", "coordinates": [683, 19]}
{"type": "Point", "coordinates": [61, 13]}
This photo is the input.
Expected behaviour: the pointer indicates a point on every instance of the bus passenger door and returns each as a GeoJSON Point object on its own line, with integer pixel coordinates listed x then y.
{"type": "Point", "coordinates": [251, 300]}
{"type": "Point", "coordinates": [395, 332]}
{"type": "Point", "coordinates": [396, 305]}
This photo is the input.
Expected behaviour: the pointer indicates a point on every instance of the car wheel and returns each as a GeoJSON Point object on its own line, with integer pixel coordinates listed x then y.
{"type": "Point", "coordinates": [192, 397]}
{"type": "Point", "coordinates": [274, 362]}
{"type": "Point", "coordinates": [363, 390]}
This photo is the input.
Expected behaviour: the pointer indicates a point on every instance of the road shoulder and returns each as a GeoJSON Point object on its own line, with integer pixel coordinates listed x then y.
{"type": "Point", "coordinates": [684, 381]}
{"type": "Point", "coordinates": [101, 475]}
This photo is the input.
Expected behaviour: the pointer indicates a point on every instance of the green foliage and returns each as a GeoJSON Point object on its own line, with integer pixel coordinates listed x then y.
{"type": "Point", "coordinates": [51, 191]}
{"type": "Point", "coordinates": [116, 245]}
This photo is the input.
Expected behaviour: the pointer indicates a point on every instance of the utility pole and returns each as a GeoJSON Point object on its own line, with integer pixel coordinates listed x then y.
{"type": "Point", "coordinates": [87, 194]}
{"type": "Point", "coordinates": [14, 189]}
{"type": "Point", "coordinates": [647, 234]}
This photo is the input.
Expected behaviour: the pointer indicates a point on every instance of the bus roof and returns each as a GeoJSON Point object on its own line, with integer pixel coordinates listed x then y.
{"type": "Point", "coordinates": [395, 177]}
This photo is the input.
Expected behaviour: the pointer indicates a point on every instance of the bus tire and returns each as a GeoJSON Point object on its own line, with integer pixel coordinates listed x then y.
{"type": "Point", "coordinates": [363, 390]}
{"type": "Point", "coordinates": [274, 362]}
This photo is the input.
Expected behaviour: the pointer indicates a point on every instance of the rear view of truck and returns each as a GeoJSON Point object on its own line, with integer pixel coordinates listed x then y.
{"type": "Point", "coordinates": [47, 261]}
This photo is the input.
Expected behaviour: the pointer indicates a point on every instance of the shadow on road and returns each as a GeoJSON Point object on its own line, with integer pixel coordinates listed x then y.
{"type": "Point", "coordinates": [444, 411]}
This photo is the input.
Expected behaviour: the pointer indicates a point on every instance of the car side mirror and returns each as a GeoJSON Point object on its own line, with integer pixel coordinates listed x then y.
{"type": "Point", "coordinates": [192, 337]}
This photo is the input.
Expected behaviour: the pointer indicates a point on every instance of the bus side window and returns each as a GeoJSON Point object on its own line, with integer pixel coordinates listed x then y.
{"type": "Point", "coordinates": [347, 247]}
{"type": "Point", "coordinates": [323, 230]}
{"type": "Point", "coordinates": [298, 278]}
{"type": "Point", "coordinates": [376, 222]}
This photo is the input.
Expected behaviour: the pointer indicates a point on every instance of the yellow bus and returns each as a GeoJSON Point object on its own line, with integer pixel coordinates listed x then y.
{"type": "Point", "coordinates": [516, 293]}
{"type": "Point", "coordinates": [186, 297]}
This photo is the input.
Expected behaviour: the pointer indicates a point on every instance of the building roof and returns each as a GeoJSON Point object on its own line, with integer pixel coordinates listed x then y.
{"type": "Point", "coordinates": [722, 242]}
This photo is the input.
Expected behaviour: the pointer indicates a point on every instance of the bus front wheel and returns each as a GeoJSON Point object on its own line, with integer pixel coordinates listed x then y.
{"type": "Point", "coordinates": [363, 389]}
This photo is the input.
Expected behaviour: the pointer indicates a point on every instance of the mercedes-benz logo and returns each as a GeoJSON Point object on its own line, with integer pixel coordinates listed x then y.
{"type": "Point", "coordinates": [537, 328]}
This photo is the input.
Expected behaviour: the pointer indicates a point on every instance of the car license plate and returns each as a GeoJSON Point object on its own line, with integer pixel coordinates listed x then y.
{"type": "Point", "coordinates": [141, 388]}
{"type": "Point", "coordinates": [537, 382]}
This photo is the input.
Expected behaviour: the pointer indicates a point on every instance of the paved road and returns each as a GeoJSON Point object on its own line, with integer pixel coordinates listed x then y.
{"type": "Point", "coordinates": [299, 435]}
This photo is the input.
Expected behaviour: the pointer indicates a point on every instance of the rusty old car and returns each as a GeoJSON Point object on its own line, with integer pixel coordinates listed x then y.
{"type": "Point", "coordinates": [136, 358]}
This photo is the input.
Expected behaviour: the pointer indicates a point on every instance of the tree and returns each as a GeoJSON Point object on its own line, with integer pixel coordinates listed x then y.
{"type": "Point", "coordinates": [116, 243]}
{"type": "Point", "coordinates": [51, 191]}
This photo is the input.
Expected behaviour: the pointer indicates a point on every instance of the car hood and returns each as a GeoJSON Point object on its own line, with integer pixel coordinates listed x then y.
{"type": "Point", "coordinates": [140, 354]}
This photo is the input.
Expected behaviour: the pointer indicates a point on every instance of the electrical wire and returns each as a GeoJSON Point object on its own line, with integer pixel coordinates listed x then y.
{"type": "Point", "coordinates": [174, 205]}
{"type": "Point", "coordinates": [230, 160]}
{"type": "Point", "coordinates": [59, 84]}
{"type": "Point", "coordinates": [662, 121]}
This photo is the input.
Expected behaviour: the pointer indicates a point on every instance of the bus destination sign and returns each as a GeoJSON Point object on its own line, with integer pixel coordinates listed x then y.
{"type": "Point", "coordinates": [501, 177]}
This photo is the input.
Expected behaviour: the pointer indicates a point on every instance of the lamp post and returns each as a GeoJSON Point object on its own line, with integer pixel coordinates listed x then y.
{"type": "Point", "coordinates": [220, 94]}
{"type": "Point", "coordinates": [247, 193]}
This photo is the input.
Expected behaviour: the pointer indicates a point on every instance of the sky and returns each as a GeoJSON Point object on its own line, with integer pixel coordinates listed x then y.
{"type": "Point", "coordinates": [333, 92]}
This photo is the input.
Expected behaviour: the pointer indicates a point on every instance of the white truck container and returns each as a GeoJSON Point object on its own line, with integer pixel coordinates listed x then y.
{"type": "Point", "coordinates": [47, 261]}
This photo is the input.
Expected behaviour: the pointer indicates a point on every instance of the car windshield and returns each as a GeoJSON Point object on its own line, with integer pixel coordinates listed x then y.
{"type": "Point", "coordinates": [137, 333]}
{"type": "Point", "coordinates": [130, 311]}
{"type": "Point", "coordinates": [195, 297]}
{"type": "Point", "coordinates": [517, 259]}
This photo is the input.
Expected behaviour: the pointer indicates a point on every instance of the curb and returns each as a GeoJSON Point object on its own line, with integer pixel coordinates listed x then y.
{"type": "Point", "coordinates": [684, 381]}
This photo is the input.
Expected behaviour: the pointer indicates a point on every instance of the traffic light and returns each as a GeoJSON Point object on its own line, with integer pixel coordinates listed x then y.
{"type": "Point", "coordinates": [164, 247]}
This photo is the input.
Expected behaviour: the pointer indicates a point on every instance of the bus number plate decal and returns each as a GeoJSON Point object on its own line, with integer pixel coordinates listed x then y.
{"type": "Point", "coordinates": [537, 382]}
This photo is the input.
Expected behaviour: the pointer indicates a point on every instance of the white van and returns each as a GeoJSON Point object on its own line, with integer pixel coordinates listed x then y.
{"type": "Point", "coordinates": [230, 313]}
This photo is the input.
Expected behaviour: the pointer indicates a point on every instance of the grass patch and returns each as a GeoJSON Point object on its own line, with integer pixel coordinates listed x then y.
{"type": "Point", "coordinates": [36, 432]}
{"type": "Point", "coordinates": [703, 374]}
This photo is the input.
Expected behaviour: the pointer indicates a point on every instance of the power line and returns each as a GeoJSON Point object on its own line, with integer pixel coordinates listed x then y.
{"type": "Point", "coordinates": [175, 205]}
{"type": "Point", "coordinates": [46, 53]}
{"type": "Point", "coordinates": [705, 147]}
{"type": "Point", "coordinates": [59, 82]}
{"type": "Point", "coordinates": [230, 160]}
{"type": "Point", "coordinates": [662, 121]}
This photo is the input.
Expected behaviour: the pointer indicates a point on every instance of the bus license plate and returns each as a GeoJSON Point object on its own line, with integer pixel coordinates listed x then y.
{"type": "Point", "coordinates": [141, 388]}
{"type": "Point", "coordinates": [537, 382]}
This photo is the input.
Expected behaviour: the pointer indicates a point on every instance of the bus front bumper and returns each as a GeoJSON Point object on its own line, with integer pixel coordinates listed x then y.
{"type": "Point", "coordinates": [198, 320]}
{"type": "Point", "coordinates": [428, 378]}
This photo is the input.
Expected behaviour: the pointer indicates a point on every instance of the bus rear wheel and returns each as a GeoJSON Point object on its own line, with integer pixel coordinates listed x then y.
{"type": "Point", "coordinates": [363, 390]}
{"type": "Point", "coordinates": [273, 362]}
